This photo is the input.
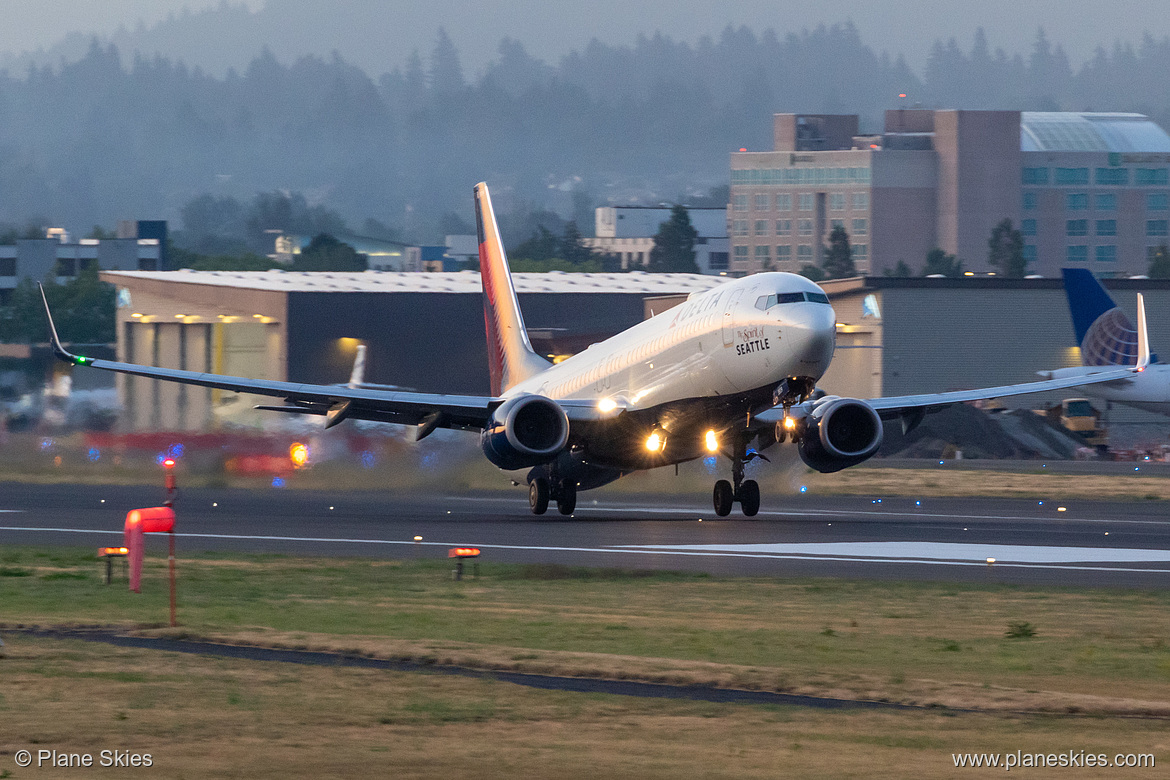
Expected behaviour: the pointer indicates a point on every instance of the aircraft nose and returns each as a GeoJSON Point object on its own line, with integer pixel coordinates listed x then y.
{"type": "Point", "coordinates": [813, 339]}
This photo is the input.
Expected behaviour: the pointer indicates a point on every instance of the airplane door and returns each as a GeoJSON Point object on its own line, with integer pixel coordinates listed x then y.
{"type": "Point", "coordinates": [729, 318]}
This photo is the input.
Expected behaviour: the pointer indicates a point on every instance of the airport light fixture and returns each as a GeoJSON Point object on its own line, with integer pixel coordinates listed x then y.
{"type": "Point", "coordinates": [110, 553]}
{"type": "Point", "coordinates": [460, 554]}
{"type": "Point", "coordinates": [298, 453]}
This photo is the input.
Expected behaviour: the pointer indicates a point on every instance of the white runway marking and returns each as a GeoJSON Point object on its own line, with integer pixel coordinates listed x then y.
{"type": "Point", "coordinates": [584, 510]}
{"type": "Point", "coordinates": [929, 553]}
{"type": "Point", "coordinates": [934, 551]}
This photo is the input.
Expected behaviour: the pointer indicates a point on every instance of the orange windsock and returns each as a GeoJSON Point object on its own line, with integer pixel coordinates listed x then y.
{"type": "Point", "coordinates": [152, 520]}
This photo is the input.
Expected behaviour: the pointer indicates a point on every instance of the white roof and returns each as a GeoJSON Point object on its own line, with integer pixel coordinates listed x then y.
{"type": "Point", "coordinates": [1068, 131]}
{"type": "Point", "coordinates": [415, 281]}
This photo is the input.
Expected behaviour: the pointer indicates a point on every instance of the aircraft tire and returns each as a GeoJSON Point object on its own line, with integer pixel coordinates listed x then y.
{"type": "Point", "coordinates": [567, 498]}
{"type": "Point", "coordinates": [723, 497]}
{"type": "Point", "coordinates": [538, 495]}
{"type": "Point", "coordinates": [749, 497]}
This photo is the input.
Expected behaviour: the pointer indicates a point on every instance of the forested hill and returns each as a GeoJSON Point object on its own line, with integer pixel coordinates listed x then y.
{"type": "Point", "coordinates": [109, 137]}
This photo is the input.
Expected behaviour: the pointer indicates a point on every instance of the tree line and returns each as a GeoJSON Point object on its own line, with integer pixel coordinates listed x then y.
{"type": "Point", "coordinates": [95, 140]}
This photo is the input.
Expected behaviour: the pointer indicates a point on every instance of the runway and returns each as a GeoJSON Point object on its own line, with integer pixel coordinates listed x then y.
{"type": "Point", "coordinates": [1077, 543]}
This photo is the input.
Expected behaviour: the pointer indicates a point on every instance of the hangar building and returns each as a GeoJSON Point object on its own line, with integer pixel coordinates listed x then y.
{"type": "Point", "coordinates": [422, 331]}
{"type": "Point", "coordinates": [425, 331]}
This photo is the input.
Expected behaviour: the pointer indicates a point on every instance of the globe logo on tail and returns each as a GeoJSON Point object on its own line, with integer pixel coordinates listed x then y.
{"type": "Point", "coordinates": [1110, 341]}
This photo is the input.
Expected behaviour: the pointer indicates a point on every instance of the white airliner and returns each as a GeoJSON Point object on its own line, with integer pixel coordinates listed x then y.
{"type": "Point", "coordinates": [732, 371]}
{"type": "Point", "coordinates": [1108, 340]}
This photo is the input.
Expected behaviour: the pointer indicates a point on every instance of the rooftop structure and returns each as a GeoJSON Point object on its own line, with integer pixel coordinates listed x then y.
{"type": "Point", "coordinates": [446, 282]}
{"type": "Point", "coordinates": [56, 255]}
{"type": "Point", "coordinates": [1059, 131]}
{"type": "Point", "coordinates": [627, 232]}
{"type": "Point", "coordinates": [1086, 188]}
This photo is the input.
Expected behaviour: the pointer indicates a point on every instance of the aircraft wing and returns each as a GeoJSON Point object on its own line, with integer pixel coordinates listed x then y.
{"type": "Point", "coordinates": [911, 408]}
{"type": "Point", "coordinates": [1085, 371]}
{"type": "Point", "coordinates": [336, 402]}
{"type": "Point", "coordinates": [900, 405]}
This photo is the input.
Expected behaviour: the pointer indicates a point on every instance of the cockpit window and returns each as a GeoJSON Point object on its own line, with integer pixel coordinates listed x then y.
{"type": "Point", "coordinates": [765, 302]}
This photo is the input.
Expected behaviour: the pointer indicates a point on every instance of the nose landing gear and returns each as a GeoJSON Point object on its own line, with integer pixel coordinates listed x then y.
{"type": "Point", "coordinates": [745, 491]}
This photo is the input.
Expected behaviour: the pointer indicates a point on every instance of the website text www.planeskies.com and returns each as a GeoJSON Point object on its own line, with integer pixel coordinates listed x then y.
{"type": "Point", "coordinates": [1068, 758]}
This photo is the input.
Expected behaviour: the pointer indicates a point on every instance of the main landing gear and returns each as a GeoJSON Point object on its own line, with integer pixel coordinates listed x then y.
{"type": "Point", "coordinates": [745, 491]}
{"type": "Point", "coordinates": [541, 491]}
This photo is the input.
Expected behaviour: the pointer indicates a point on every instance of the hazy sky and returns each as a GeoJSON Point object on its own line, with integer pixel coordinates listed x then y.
{"type": "Point", "coordinates": [380, 33]}
{"type": "Point", "coordinates": [33, 24]}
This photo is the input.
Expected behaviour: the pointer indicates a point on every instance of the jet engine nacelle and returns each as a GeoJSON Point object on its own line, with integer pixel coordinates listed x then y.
{"type": "Point", "coordinates": [839, 433]}
{"type": "Point", "coordinates": [525, 431]}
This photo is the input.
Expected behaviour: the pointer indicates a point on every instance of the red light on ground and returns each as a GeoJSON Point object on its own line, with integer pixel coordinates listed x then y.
{"type": "Point", "coordinates": [902, 95]}
{"type": "Point", "coordinates": [169, 463]}
{"type": "Point", "coordinates": [743, 148]}
{"type": "Point", "coordinates": [463, 552]}
{"type": "Point", "coordinates": [113, 551]}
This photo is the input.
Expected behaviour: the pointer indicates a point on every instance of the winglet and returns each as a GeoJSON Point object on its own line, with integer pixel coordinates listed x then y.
{"type": "Point", "coordinates": [358, 375]}
{"type": "Point", "coordinates": [59, 350]}
{"type": "Point", "coordinates": [1143, 336]}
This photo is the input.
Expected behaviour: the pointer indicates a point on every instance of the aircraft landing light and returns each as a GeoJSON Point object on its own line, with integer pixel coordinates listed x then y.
{"type": "Point", "coordinates": [712, 442]}
{"type": "Point", "coordinates": [298, 453]}
{"type": "Point", "coordinates": [655, 442]}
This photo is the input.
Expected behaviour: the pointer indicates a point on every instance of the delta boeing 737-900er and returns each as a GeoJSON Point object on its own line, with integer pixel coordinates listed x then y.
{"type": "Point", "coordinates": [732, 370]}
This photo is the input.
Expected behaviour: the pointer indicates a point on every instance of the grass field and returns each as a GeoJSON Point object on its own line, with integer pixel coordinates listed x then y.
{"type": "Point", "coordinates": [1091, 651]}
{"type": "Point", "coordinates": [206, 717]}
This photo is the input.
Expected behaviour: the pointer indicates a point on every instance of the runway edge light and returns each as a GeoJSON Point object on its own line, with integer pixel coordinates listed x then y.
{"type": "Point", "coordinates": [459, 554]}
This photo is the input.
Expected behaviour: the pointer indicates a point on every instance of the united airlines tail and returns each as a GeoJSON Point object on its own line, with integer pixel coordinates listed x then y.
{"type": "Point", "coordinates": [511, 358]}
{"type": "Point", "coordinates": [1104, 333]}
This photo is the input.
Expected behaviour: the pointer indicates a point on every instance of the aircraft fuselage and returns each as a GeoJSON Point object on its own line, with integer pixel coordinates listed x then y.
{"type": "Point", "coordinates": [703, 365]}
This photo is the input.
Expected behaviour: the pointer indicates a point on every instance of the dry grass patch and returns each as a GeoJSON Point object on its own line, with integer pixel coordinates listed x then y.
{"type": "Point", "coordinates": [911, 691]}
{"type": "Point", "coordinates": [209, 717]}
{"type": "Point", "coordinates": [1104, 651]}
